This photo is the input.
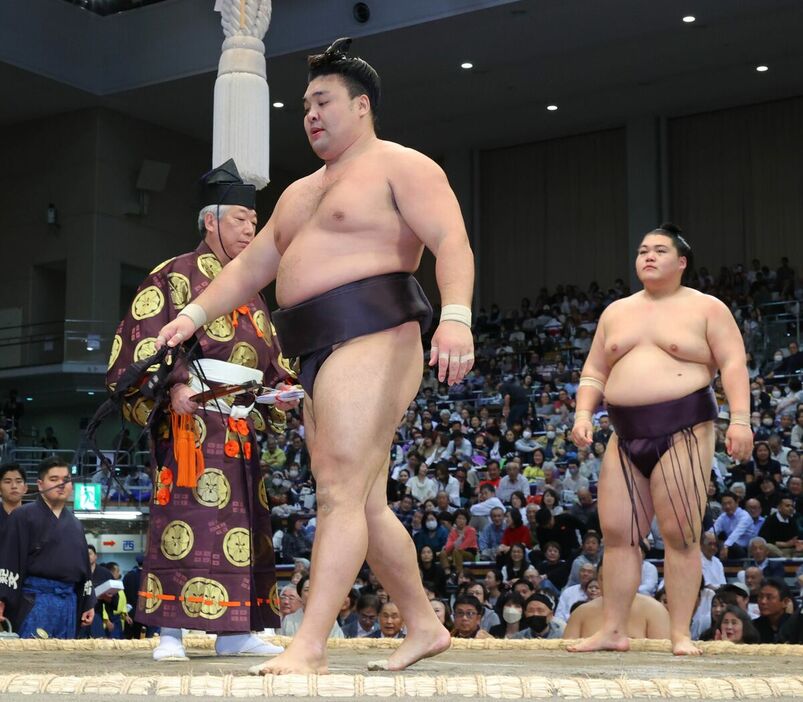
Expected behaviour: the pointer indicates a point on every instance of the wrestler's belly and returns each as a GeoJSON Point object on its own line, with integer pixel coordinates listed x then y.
{"type": "Point", "coordinates": [311, 265]}
{"type": "Point", "coordinates": [646, 375]}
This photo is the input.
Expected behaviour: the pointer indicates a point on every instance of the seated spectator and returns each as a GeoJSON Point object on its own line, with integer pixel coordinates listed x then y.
{"type": "Point", "coordinates": [573, 594]}
{"type": "Point", "coordinates": [492, 476]}
{"type": "Point", "coordinates": [539, 619]}
{"type": "Point", "coordinates": [753, 508]}
{"type": "Point", "coordinates": [760, 554]}
{"type": "Point", "coordinates": [732, 529]}
{"type": "Point", "coordinates": [445, 483]}
{"type": "Point", "coordinates": [792, 630]}
{"type": "Point", "coordinates": [603, 434]}
{"type": "Point", "coordinates": [292, 622]}
{"type": "Point", "coordinates": [584, 510]}
{"type": "Point", "coordinates": [366, 622]}
{"type": "Point", "coordinates": [512, 605]}
{"type": "Point", "coordinates": [297, 453]}
{"type": "Point", "coordinates": [431, 572]}
{"type": "Point", "coordinates": [591, 553]}
{"type": "Point", "coordinates": [573, 481]}
{"type": "Point", "coordinates": [433, 534]}
{"type": "Point", "coordinates": [713, 571]}
{"type": "Point", "coordinates": [562, 529]}
{"type": "Point", "coordinates": [516, 532]}
{"type": "Point", "coordinates": [489, 617]}
{"type": "Point", "coordinates": [467, 610]}
{"type": "Point", "coordinates": [526, 445]}
{"type": "Point", "coordinates": [774, 601]}
{"type": "Point", "coordinates": [769, 495]}
{"type": "Point", "coordinates": [551, 500]}
{"type": "Point", "coordinates": [390, 622]}
{"type": "Point", "coordinates": [512, 482]}
{"type": "Point", "coordinates": [513, 563]}
{"type": "Point", "coordinates": [443, 612]}
{"type": "Point", "coordinates": [553, 444]}
{"type": "Point", "coordinates": [273, 457]}
{"type": "Point", "coordinates": [493, 586]}
{"type": "Point", "coordinates": [348, 610]}
{"type": "Point", "coordinates": [138, 484]}
{"type": "Point", "coordinates": [735, 625]}
{"type": "Point", "coordinates": [460, 546]}
{"type": "Point", "coordinates": [553, 567]}
{"type": "Point", "coordinates": [296, 543]}
{"type": "Point", "coordinates": [780, 528]}
{"type": "Point", "coordinates": [648, 618]}
{"type": "Point", "coordinates": [518, 501]}
{"type": "Point", "coordinates": [12, 489]}
{"type": "Point", "coordinates": [488, 502]}
{"type": "Point", "coordinates": [490, 538]}
{"type": "Point", "coordinates": [404, 511]}
{"type": "Point", "coordinates": [536, 473]}
{"type": "Point", "coordinates": [422, 487]}
{"type": "Point", "coordinates": [649, 573]}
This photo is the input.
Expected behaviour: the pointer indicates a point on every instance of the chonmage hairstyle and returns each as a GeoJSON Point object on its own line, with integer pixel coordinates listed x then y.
{"type": "Point", "coordinates": [675, 233]}
{"type": "Point", "coordinates": [359, 76]}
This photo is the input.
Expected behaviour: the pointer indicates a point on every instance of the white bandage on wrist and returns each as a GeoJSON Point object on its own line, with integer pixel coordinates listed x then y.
{"type": "Point", "coordinates": [456, 313]}
{"type": "Point", "coordinates": [196, 313]}
{"type": "Point", "coordinates": [589, 381]}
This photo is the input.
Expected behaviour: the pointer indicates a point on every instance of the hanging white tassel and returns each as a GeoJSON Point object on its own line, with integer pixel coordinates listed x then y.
{"type": "Point", "coordinates": [241, 128]}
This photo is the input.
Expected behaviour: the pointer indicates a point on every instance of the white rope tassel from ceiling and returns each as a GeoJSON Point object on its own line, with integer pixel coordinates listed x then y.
{"type": "Point", "coordinates": [241, 127]}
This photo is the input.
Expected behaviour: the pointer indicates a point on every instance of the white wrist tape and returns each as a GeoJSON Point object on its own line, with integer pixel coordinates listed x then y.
{"type": "Point", "coordinates": [456, 313]}
{"type": "Point", "coordinates": [196, 313]}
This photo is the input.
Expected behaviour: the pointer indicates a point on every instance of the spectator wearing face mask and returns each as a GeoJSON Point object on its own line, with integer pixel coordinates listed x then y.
{"type": "Point", "coordinates": [433, 534]}
{"type": "Point", "coordinates": [552, 444]}
{"type": "Point", "coordinates": [525, 445]}
{"type": "Point", "coordinates": [512, 614]}
{"type": "Point", "coordinates": [539, 619]}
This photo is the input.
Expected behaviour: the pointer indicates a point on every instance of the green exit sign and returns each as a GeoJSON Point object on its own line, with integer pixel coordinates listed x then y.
{"type": "Point", "coordinates": [87, 496]}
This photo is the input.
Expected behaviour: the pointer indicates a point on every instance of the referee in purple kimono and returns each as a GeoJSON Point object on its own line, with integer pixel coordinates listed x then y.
{"type": "Point", "coordinates": [209, 563]}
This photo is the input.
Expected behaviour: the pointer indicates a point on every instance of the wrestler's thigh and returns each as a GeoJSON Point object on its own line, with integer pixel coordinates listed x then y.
{"type": "Point", "coordinates": [309, 423]}
{"type": "Point", "coordinates": [360, 395]}
{"type": "Point", "coordinates": [674, 487]}
{"type": "Point", "coordinates": [613, 498]}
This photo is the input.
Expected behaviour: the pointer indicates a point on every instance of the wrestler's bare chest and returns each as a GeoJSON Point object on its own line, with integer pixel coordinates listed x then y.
{"type": "Point", "coordinates": [676, 328]}
{"type": "Point", "coordinates": [340, 226]}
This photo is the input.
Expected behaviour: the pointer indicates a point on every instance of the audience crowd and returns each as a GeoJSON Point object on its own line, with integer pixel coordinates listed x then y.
{"type": "Point", "coordinates": [501, 506]}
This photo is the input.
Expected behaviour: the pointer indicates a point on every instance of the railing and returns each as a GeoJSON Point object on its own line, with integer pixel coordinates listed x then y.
{"type": "Point", "coordinates": [60, 341]}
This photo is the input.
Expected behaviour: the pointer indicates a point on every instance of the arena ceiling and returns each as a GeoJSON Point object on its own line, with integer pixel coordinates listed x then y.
{"type": "Point", "coordinates": [600, 61]}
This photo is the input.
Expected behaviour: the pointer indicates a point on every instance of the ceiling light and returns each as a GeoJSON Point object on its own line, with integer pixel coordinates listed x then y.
{"type": "Point", "coordinates": [278, 105]}
{"type": "Point", "coordinates": [552, 108]}
{"type": "Point", "coordinates": [90, 392]}
{"type": "Point", "coordinates": [29, 399]}
{"type": "Point", "coordinates": [466, 65]}
{"type": "Point", "coordinates": [688, 19]}
{"type": "Point", "coordinates": [121, 514]}
{"type": "Point", "coordinates": [762, 69]}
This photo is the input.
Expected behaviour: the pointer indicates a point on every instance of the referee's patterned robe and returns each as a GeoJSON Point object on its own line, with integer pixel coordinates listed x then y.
{"type": "Point", "coordinates": [209, 561]}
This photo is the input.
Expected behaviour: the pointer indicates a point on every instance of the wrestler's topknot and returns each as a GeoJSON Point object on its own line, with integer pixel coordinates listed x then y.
{"type": "Point", "coordinates": [674, 232]}
{"type": "Point", "coordinates": [359, 76]}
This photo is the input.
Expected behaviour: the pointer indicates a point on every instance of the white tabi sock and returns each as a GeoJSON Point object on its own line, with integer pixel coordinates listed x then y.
{"type": "Point", "coordinates": [244, 645]}
{"type": "Point", "coordinates": [171, 647]}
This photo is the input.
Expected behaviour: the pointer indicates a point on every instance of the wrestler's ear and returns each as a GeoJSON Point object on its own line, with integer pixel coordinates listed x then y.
{"type": "Point", "coordinates": [363, 105]}
{"type": "Point", "coordinates": [682, 262]}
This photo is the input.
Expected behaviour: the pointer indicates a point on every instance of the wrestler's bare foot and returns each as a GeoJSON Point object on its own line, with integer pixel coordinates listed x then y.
{"type": "Point", "coordinates": [301, 659]}
{"type": "Point", "coordinates": [683, 646]}
{"type": "Point", "coordinates": [601, 641]}
{"type": "Point", "coordinates": [418, 645]}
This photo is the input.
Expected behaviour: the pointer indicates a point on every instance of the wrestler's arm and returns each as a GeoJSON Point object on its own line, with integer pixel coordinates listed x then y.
{"type": "Point", "coordinates": [428, 205]}
{"type": "Point", "coordinates": [588, 397]}
{"type": "Point", "coordinates": [727, 349]}
{"type": "Point", "coordinates": [239, 281]}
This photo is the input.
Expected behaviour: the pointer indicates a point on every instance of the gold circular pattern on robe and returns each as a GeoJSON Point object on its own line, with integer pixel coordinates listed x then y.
{"type": "Point", "coordinates": [262, 323]}
{"type": "Point", "coordinates": [162, 265]}
{"type": "Point", "coordinates": [153, 586]}
{"type": "Point", "coordinates": [210, 593]}
{"type": "Point", "coordinates": [243, 354]}
{"type": "Point", "coordinates": [179, 289]}
{"type": "Point", "coordinates": [177, 540]}
{"type": "Point", "coordinates": [209, 265]}
{"type": "Point", "coordinates": [213, 489]}
{"type": "Point", "coordinates": [200, 430]}
{"type": "Point", "coordinates": [257, 419]}
{"type": "Point", "coordinates": [141, 411]}
{"type": "Point", "coordinates": [263, 495]}
{"type": "Point", "coordinates": [117, 344]}
{"type": "Point", "coordinates": [274, 598]}
{"type": "Point", "coordinates": [220, 329]}
{"type": "Point", "coordinates": [148, 303]}
{"type": "Point", "coordinates": [145, 349]}
{"type": "Point", "coordinates": [237, 547]}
